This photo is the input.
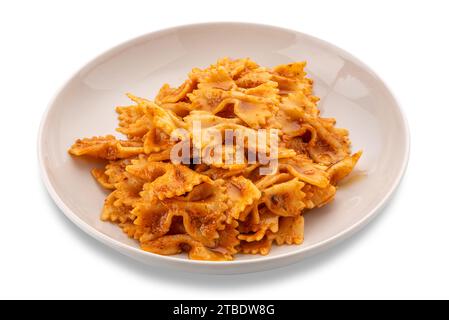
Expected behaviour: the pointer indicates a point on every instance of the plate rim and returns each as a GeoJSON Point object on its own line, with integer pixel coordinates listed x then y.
{"type": "Point", "coordinates": [161, 259]}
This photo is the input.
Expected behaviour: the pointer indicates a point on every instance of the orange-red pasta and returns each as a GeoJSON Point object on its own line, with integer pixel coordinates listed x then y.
{"type": "Point", "coordinates": [214, 210]}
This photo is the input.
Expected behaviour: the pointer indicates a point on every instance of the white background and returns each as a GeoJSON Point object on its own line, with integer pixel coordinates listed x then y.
{"type": "Point", "coordinates": [403, 253]}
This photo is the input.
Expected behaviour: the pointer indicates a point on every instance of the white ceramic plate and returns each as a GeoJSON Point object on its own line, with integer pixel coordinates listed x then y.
{"type": "Point", "coordinates": [349, 91]}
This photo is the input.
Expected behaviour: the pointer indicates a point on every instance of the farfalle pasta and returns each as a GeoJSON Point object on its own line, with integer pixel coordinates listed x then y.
{"type": "Point", "coordinates": [200, 203]}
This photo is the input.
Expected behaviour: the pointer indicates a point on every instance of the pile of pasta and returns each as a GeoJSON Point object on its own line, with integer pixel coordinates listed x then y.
{"type": "Point", "coordinates": [214, 211]}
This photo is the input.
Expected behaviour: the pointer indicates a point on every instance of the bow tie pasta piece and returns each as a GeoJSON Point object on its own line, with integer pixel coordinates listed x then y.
{"type": "Point", "coordinates": [102, 178]}
{"type": "Point", "coordinates": [234, 68]}
{"type": "Point", "coordinates": [253, 106]}
{"type": "Point", "coordinates": [268, 221]}
{"type": "Point", "coordinates": [115, 210]}
{"type": "Point", "coordinates": [300, 107]}
{"type": "Point", "coordinates": [177, 180]}
{"type": "Point", "coordinates": [305, 170]}
{"type": "Point", "coordinates": [146, 169]}
{"type": "Point", "coordinates": [318, 197]}
{"type": "Point", "coordinates": [253, 112]}
{"type": "Point", "coordinates": [291, 78]}
{"type": "Point", "coordinates": [201, 219]}
{"type": "Point", "coordinates": [150, 123]}
{"type": "Point", "coordinates": [291, 231]}
{"type": "Point", "coordinates": [175, 244]}
{"type": "Point", "coordinates": [261, 247]}
{"type": "Point", "coordinates": [267, 90]}
{"type": "Point", "coordinates": [156, 140]}
{"type": "Point", "coordinates": [129, 189]}
{"type": "Point", "coordinates": [204, 211]}
{"type": "Point", "coordinates": [113, 173]}
{"type": "Point", "coordinates": [154, 218]}
{"type": "Point", "coordinates": [254, 78]}
{"type": "Point", "coordinates": [120, 203]}
{"type": "Point", "coordinates": [134, 121]}
{"type": "Point", "coordinates": [341, 169]}
{"type": "Point", "coordinates": [246, 139]}
{"type": "Point", "coordinates": [241, 193]}
{"type": "Point", "coordinates": [330, 144]}
{"type": "Point", "coordinates": [208, 99]}
{"type": "Point", "coordinates": [165, 180]}
{"type": "Point", "coordinates": [237, 67]}
{"type": "Point", "coordinates": [217, 78]}
{"type": "Point", "coordinates": [291, 70]}
{"type": "Point", "coordinates": [228, 241]}
{"type": "Point", "coordinates": [106, 147]}
{"type": "Point", "coordinates": [285, 199]}
{"type": "Point", "coordinates": [161, 118]}
{"type": "Point", "coordinates": [172, 95]}
{"type": "Point", "coordinates": [294, 114]}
